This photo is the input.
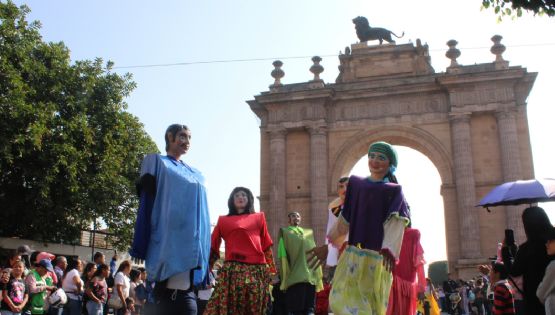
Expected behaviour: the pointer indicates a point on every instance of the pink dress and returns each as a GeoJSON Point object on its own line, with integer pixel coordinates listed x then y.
{"type": "Point", "coordinates": [408, 276]}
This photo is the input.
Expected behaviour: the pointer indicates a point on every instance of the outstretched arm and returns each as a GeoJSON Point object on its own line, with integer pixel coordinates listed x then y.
{"type": "Point", "coordinates": [339, 232]}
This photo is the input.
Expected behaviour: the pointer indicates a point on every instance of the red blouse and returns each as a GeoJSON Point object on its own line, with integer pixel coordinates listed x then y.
{"type": "Point", "coordinates": [246, 238]}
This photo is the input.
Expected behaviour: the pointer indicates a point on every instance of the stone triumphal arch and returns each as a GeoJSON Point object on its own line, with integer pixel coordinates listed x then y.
{"type": "Point", "coordinates": [470, 121]}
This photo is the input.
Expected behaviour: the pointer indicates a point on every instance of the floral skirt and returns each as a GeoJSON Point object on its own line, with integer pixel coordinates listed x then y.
{"type": "Point", "coordinates": [240, 289]}
{"type": "Point", "coordinates": [361, 284]}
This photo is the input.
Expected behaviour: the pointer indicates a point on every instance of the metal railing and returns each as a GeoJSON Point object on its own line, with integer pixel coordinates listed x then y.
{"type": "Point", "coordinates": [97, 239]}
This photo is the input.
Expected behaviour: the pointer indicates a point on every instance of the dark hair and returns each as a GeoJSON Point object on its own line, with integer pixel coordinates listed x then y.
{"type": "Point", "coordinates": [134, 275]}
{"type": "Point", "coordinates": [500, 268]}
{"type": "Point", "coordinates": [87, 269]}
{"type": "Point", "coordinates": [71, 264]}
{"type": "Point", "coordinates": [141, 269]}
{"type": "Point", "coordinates": [343, 179]}
{"type": "Point", "coordinates": [124, 264]}
{"type": "Point", "coordinates": [536, 224]}
{"type": "Point", "coordinates": [231, 202]}
{"type": "Point", "coordinates": [33, 257]}
{"type": "Point", "coordinates": [97, 255]}
{"type": "Point", "coordinates": [173, 129]}
{"type": "Point", "coordinates": [100, 269]}
{"type": "Point", "coordinates": [12, 253]}
{"type": "Point", "coordinates": [392, 178]}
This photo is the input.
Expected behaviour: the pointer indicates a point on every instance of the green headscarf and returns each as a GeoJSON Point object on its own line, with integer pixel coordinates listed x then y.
{"type": "Point", "coordinates": [386, 149]}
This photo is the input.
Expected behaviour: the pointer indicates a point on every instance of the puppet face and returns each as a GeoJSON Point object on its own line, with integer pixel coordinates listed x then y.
{"type": "Point", "coordinates": [240, 200]}
{"type": "Point", "coordinates": [294, 219]}
{"type": "Point", "coordinates": [181, 143]}
{"type": "Point", "coordinates": [378, 164]}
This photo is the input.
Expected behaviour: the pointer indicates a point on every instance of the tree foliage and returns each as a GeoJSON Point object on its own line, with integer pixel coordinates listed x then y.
{"type": "Point", "coordinates": [437, 271]}
{"type": "Point", "coordinates": [69, 152]}
{"type": "Point", "coordinates": [514, 8]}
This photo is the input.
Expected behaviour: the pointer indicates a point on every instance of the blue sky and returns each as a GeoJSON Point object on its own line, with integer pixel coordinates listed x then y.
{"type": "Point", "coordinates": [210, 97]}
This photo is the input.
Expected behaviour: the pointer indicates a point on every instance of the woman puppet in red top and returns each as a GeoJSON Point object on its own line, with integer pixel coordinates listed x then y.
{"type": "Point", "coordinates": [244, 279]}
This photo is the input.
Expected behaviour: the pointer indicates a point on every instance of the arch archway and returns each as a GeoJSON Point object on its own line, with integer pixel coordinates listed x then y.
{"type": "Point", "coordinates": [470, 121]}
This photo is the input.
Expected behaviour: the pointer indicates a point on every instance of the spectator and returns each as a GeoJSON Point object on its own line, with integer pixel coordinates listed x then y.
{"type": "Point", "coordinates": [86, 277]}
{"type": "Point", "coordinates": [73, 287]}
{"type": "Point", "coordinates": [13, 257]}
{"type": "Point", "coordinates": [113, 263]}
{"type": "Point", "coordinates": [122, 285]}
{"type": "Point", "coordinates": [546, 289]}
{"type": "Point", "coordinates": [97, 290]}
{"type": "Point", "coordinates": [59, 270]}
{"type": "Point", "coordinates": [503, 300]}
{"type": "Point", "coordinates": [99, 259]}
{"type": "Point", "coordinates": [25, 251]}
{"type": "Point", "coordinates": [134, 278]}
{"type": "Point", "coordinates": [130, 306]}
{"type": "Point", "coordinates": [450, 287]}
{"type": "Point", "coordinates": [88, 272]}
{"type": "Point", "coordinates": [141, 293]}
{"type": "Point", "coordinates": [15, 294]}
{"type": "Point", "coordinates": [39, 283]}
{"type": "Point", "coordinates": [531, 259]}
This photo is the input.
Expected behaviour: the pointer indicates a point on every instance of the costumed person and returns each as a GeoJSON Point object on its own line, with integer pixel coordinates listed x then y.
{"type": "Point", "coordinates": [531, 257]}
{"type": "Point", "coordinates": [243, 283]}
{"type": "Point", "coordinates": [298, 280]}
{"type": "Point", "coordinates": [409, 280]}
{"type": "Point", "coordinates": [328, 254]}
{"type": "Point", "coordinates": [546, 289]}
{"type": "Point", "coordinates": [374, 216]}
{"type": "Point", "coordinates": [172, 232]}
{"type": "Point", "coordinates": [430, 297]}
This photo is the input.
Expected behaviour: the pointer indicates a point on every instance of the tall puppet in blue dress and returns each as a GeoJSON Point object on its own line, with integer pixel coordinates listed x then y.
{"type": "Point", "coordinates": [374, 217]}
{"type": "Point", "coordinates": [172, 232]}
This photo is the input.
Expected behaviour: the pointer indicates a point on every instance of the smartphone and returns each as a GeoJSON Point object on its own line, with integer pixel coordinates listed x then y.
{"type": "Point", "coordinates": [509, 237]}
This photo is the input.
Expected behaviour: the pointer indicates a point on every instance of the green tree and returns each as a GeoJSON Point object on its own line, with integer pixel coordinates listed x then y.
{"type": "Point", "coordinates": [69, 152]}
{"type": "Point", "coordinates": [514, 8]}
{"type": "Point", "coordinates": [437, 271]}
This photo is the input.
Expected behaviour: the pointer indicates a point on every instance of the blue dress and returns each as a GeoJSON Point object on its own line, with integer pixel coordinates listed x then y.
{"type": "Point", "coordinates": [172, 232]}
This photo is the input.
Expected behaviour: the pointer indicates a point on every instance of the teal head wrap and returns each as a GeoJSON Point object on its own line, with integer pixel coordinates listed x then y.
{"type": "Point", "coordinates": [386, 149]}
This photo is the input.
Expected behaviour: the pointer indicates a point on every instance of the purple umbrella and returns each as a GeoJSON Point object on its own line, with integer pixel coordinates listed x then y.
{"type": "Point", "coordinates": [520, 192]}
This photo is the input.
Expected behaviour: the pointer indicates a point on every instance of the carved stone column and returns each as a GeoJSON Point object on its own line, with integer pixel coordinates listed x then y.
{"type": "Point", "coordinates": [510, 161]}
{"type": "Point", "coordinates": [469, 229]}
{"type": "Point", "coordinates": [318, 181]}
{"type": "Point", "coordinates": [277, 214]}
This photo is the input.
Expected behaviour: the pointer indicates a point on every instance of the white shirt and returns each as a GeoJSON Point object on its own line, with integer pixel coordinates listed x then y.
{"type": "Point", "coordinates": [180, 281]}
{"type": "Point", "coordinates": [69, 286]}
{"type": "Point", "coordinates": [123, 280]}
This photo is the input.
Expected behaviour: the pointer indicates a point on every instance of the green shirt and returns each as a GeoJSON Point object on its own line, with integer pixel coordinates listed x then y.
{"type": "Point", "coordinates": [294, 242]}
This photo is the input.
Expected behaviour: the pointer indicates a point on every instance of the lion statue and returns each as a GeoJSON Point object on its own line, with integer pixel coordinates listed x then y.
{"type": "Point", "coordinates": [366, 33]}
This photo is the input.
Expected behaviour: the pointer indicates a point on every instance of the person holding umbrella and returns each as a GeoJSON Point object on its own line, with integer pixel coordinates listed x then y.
{"type": "Point", "coordinates": [531, 259]}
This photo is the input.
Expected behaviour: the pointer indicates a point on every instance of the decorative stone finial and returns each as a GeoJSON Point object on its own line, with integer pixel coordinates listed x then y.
{"type": "Point", "coordinates": [453, 53]}
{"type": "Point", "coordinates": [277, 73]}
{"type": "Point", "coordinates": [497, 49]}
{"type": "Point", "coordinates": [316, 68]}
